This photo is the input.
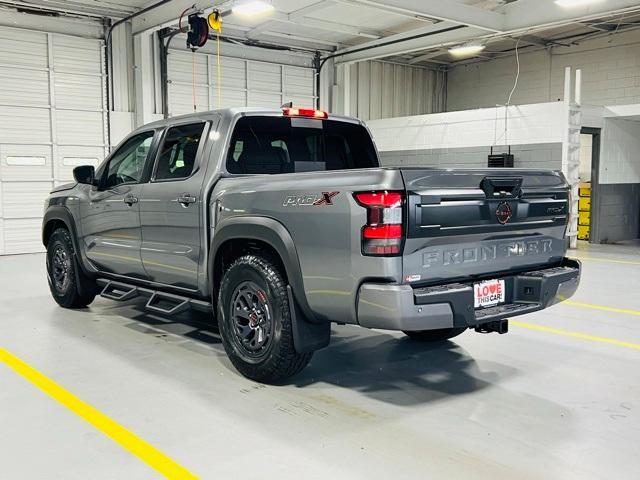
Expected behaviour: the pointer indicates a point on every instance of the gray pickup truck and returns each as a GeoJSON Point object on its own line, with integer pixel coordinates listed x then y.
{"type": "Point", "coordinates": [283, 221]}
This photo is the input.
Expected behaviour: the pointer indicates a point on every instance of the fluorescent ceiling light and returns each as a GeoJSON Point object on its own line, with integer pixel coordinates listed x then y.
{"type": "Point", "coordinates": [576, 3]}
{"type": "Point", "coordinates": [466, 50]}
{"type": "Point", "coordinates": [256, 7]}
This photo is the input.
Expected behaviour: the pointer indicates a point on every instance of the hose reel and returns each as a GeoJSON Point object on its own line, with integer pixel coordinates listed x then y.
{"type": "Point", "coordinates": [198, 33]}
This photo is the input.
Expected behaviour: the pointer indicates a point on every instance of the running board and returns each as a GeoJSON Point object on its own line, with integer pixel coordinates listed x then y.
{"type": "Point", "coordinates": [159, 302]}
{"type": "Point", "coordinates": [119, 291]}
{"type": "Point", "coordinates": [166, 304]}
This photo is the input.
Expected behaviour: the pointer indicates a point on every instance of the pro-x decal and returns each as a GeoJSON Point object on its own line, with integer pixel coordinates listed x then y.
{"type": "Point", "coordinates": [314, 199]}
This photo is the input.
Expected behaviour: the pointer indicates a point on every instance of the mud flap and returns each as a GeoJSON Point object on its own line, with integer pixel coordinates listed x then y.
{"type": "Point", "coordinates": [83, 288]}
{"type": "Point", "coordinates": [307, 336]}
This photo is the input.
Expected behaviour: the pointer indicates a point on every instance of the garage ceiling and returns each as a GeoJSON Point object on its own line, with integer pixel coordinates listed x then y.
{"type": "Point", "coordinates": [344, 25]}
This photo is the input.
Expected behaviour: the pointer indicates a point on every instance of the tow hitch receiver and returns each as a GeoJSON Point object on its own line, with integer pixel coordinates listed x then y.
{"type": "Point", "coordinates": [500, 326]}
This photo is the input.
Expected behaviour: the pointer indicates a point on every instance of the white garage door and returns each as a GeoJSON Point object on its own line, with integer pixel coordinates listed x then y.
{"type": "Point", "coordinates": [51, 119]}
{"type": "Point", "coordinates": [244, 83]}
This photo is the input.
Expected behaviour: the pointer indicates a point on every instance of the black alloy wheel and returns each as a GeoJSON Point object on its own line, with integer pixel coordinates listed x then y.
{"type": "Point", "coordinates": [252, 319]}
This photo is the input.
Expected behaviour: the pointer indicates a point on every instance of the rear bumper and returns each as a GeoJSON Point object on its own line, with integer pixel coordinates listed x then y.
{"type": "Point", "coordinates": [402, 307]}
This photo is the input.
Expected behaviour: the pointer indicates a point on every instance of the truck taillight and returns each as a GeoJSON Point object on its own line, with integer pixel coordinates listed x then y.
{"type": "Point", "coordinates": [382, 235]}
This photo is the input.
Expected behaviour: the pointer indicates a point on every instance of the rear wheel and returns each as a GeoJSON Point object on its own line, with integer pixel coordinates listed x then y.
{"type": "Point", "coordinates": [255, 321]}
{"type": "Point", "coordinates": [439, 335]}
{"type": "Point", "coordinates": [69, 286]}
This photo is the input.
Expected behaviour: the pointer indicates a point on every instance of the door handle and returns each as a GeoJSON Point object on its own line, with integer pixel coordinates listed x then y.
{"type": "Point", "coordinates": [186, 199]}
{"type": "Point", "coordinates": [130, 199]}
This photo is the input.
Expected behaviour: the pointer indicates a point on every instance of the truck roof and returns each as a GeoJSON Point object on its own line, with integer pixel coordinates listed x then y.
{"type": "Point", "coordinates": [229, 113]}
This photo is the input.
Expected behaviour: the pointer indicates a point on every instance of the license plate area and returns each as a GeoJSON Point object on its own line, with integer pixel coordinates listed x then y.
{"type": "Point", "coordinates": [489, 293]}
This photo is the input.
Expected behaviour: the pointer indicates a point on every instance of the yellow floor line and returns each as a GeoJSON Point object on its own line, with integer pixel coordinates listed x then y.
{"type": "Point", "coordinates": [606, 260]}
{"type": "Point", "coordinates": [600, 307]}
{"type": "Point", "coordinates": [129, 441]}
{"type": "Point", "coordinates": [582, 336]}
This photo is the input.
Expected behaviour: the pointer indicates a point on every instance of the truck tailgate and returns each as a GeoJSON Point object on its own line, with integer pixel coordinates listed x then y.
{"type": "Point", "coordinates": [476, 224]}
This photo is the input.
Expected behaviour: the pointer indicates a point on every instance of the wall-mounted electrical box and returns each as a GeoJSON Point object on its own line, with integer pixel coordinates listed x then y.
{"type": "Point", "coordinates": [500, 160]}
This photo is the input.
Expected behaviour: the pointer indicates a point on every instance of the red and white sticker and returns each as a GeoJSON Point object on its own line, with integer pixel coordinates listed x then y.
{"type": "Point", "coordinates": [488, 293]}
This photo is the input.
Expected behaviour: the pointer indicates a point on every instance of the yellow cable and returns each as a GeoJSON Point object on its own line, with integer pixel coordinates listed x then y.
{"type": "Point", "coordinates": [219, 69]}
{"type": "Point", "coordinates": [193, 79]}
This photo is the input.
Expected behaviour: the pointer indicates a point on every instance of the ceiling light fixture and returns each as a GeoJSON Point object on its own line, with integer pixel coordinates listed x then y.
{"type": "Point", "coordinates": [253, 8]}
{"type": "Point", "coordinates": [466, 50]}
{"type": "Point", "coordinates": [575, 3]}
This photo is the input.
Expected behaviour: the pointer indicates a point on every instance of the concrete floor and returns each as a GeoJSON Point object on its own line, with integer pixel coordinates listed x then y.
{"type": "Point", "coordinates": [530, 404]}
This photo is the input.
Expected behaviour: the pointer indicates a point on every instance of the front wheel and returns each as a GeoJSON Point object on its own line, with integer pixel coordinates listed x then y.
{"type": "Point", "coordinates": [65, 275]}
{"type": "Point", "coordinates": [438, 335]}
{"type": "Point", "coordinates": [255, 321]}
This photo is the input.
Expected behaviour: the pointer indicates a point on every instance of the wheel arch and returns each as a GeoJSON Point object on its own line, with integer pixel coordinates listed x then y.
{"type": "Point", "coordinates": [58, 216]}
{"type": "Point", "coordinates": [262, 231]}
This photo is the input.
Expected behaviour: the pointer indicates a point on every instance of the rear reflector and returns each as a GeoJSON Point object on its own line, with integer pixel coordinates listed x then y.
{"type": "Point", "coordinates": [381, 248]}
{"type": "Point", "coordinates": [304, 112]}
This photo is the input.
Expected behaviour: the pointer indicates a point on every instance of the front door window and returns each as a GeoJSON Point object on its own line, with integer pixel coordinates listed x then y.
{"type": "Point", "coordinates": [127, 164]}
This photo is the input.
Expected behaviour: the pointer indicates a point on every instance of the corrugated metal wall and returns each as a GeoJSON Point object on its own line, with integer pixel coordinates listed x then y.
{"type": "Point", "coordinates": [52, 118]}
{"type": "Point", "coordinates": [376, 89]}
{"type": "Point", "coordinates": [244, 83]}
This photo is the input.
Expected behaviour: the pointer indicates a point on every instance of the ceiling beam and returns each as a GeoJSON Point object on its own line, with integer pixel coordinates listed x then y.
{"type": "Point", "coordinates": [447, 10]}
{"type": "Point", "coordinates": [434, 36]}
{"type": "Point", "coordinates": [426, 56]}
{"type": "Point", "coordinates": [316, 23]}
{"type": "Point", "coordinates": [532, 40]}
{"type": "Point", "coordinates": [597, 26]}
{"type": "Point", "coordinates": [388, 9]}
{"type": "Point", "coordinates": [525, 14]}
{"type": "Point", "coordinates": [299, 38]}
{"type": "Point", "coordinates": [105, 9]}
{"type": "Point", "coordinates": [422, 31]}
{"type": "Point", "coordinates": [314, 7]}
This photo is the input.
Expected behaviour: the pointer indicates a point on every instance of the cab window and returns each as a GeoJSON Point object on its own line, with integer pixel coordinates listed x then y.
{"type": "Point", "coordinates": [177, 157]}
{"type": "Point", "coordinates": [127, 163]}
{"type": "Point", "coordinates": [272, 145]}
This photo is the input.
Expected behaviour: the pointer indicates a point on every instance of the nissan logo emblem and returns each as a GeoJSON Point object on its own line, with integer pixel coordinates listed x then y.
{"type": "Point", "coordinates": [503, 213]}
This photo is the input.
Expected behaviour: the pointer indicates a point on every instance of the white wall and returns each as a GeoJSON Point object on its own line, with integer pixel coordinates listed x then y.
{"type": "Point", "coordinates": [375, 89]}
{"type": "Point", "coordinates": [620, 151]}
{"type": "Point", "coordinates": [527, 124]}
{"type": "Point", "coordinates": [586, 150]}
{"type": "Point", "coordinates": [610, 74]}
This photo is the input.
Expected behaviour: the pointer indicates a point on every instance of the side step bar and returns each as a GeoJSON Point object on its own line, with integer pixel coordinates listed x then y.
{"type": "Point", "coordinates": [119, 291]}
{"type": "Point", "coordinates": [159, 302]}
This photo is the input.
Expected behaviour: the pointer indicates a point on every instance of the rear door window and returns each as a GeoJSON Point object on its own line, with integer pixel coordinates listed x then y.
{"type": "Point", "coordinates": [177, 155]}
{"type": "Point", "coordinates": [272, 145]}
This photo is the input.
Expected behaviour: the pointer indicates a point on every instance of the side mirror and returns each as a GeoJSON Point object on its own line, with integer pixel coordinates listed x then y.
{"type": "Point", "coordinates": [84, 174]}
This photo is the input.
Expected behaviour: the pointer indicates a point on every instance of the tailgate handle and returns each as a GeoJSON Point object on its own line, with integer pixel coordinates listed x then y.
{"type": "Point", "coordinates": [501, 187]}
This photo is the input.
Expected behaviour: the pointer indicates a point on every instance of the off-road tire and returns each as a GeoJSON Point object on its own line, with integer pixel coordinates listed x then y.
{"type": "Point", "coordinates": [439, 335]}
{"type": "Point", "coordinates": [68, 293]}
{"type": "Point", "coordinates": [278, 360]}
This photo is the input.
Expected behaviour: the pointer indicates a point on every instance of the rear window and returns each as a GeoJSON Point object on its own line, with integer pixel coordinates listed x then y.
{"type": "Point", "coordinates": [271, 145]}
